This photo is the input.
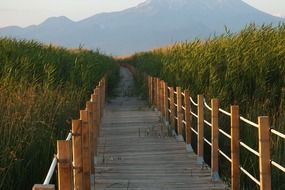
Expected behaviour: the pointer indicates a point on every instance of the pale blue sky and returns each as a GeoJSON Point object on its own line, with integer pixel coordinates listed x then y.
{"type": "Point", "coordinates": [29, 12]}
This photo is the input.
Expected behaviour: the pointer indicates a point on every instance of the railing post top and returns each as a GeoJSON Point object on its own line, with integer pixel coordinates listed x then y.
{"type": "Point", "coordinates": [263, 121]}
{"type": "Point", "coordinates": [234, 107]}
{"type": "Point", "coordinates": [200, 98]}
{"type": "Point", "coordinates": [61, 152]}
{"type": "Point", "coordinates": [214, 100]}
{"type": "Point", "coordinates": [263, 118]}
{"type": "Point", "coordinates": [61, 141]}
{"type": "Point", "coordinates": [89, 104]}
{"type": "Point", "coordinates": [76, 121]}
{"type": "Point", "coordinates": [215, 104]}
{"type": "Point", "coordinates": [93, 97]}
{"type": "Point", "coordinates": [83, 114]}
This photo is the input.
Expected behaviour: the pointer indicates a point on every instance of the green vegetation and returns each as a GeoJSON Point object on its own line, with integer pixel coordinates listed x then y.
{"type": "Point", "coordinates": [41, 89]}
{"type": "Point", "coordinates": [245, 68]}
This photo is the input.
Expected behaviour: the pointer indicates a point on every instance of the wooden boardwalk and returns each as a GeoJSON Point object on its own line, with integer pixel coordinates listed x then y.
{"type": "Point", "coordinates": [135, 151]}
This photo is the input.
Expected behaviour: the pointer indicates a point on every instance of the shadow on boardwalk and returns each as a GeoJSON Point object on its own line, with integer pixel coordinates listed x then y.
{"type": "Point", "coordinates": [135, 152]}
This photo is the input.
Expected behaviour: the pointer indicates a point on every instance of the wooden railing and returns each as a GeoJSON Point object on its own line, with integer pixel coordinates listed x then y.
{"type": "Point", "coordinates": [177, 109]}
{"type": "Point", "coordinates": [75, 155]}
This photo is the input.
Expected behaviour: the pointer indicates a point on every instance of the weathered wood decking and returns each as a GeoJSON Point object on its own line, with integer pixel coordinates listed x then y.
{"type": "Point", "coordinates": [135, 152]}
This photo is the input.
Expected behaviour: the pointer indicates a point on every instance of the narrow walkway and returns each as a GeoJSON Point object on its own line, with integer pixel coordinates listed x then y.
{"type": "Point", "coordinates": [135, 152]}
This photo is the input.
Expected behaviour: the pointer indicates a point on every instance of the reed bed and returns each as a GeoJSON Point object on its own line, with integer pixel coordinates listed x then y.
{"type": "Point", "coordinates": [42, 87]}
{"type": "Point", "coordinates": [245, 68]}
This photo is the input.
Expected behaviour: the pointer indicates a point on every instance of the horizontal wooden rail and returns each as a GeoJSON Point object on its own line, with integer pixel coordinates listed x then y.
{"type": "Point", "coordinates": [76, 154]}
{"type": "Point", "coordinates": [172, 114]}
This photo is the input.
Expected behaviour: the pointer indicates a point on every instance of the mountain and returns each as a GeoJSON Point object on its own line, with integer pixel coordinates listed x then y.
{"type": "Point", "coordinates": [153, 23]}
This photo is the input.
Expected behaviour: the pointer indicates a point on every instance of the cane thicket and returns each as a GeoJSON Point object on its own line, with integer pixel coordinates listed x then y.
{"type": "Point", "coordinates": [245, 68]}
{"type": "Point", "coordinates": [42, 87]}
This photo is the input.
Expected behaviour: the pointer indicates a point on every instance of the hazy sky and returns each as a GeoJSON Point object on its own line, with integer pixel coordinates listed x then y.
{"type": "Point", "coordinates": [28, 12]}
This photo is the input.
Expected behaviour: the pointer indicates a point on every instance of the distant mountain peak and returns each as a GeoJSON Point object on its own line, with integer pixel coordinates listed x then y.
{"type": "Point", "coordinates": [57, 20]}
{"type": "Point", "coordinates": [186, 3]}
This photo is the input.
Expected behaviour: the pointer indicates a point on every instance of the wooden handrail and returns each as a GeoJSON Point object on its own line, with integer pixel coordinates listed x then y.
{"type": "Point", "coordinates": [263, 131]}
{"type": "Point", "coordinates": [75, 157]}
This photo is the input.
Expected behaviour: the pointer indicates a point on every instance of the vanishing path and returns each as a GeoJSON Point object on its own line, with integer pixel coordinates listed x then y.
{"type": "Point", "coordinates": [135, 152]}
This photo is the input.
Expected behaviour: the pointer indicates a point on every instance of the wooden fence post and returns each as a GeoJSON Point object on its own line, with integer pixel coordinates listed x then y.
{"type": "Point", "coordinates": [179, 113]}
{"type": "Point", "coordinates": [157, 94]}
{"type": "Point", "coordinates": [154, 91]}
{"type": "Point", "coordinates": [161, 97]}
{"type": "Point", "coordinates": [187, 120]}
{"type": "Point", "coordinates": [151, 90]}
{"type": "Point", "coordinates": [166, 106]}
{"type": "Point", "coordinates": [104, 93]}
{"type": "Point", "coordinates": [86, 160]}
{"type": "Point", "coordinates": [43, 187]}
{"type": "Point", "coordinates": [235, 171]}
{"type": "Point", "coordinates": [64, 160]}
{"type": "Point", "coordinates": [89, 106]}
{"type": "Point", "coordinates": [77, 152]}
{"type": "Point", "coordinates": [95, 123]}
{"type": "Point", "coordinates": [200, 127]}
{"type": "Point", "coordinates": [98, 97]}
{"type": "Point", "coordinates": [215, 139]}
{"type": "Point", "coordinates": [264, 153]}
{"type": "Point", "coordinates": [172, 115]}
{"type": "Point", "coordinates": [98, 111]}
{"type": "Point", "coordinates": [101, 99]}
